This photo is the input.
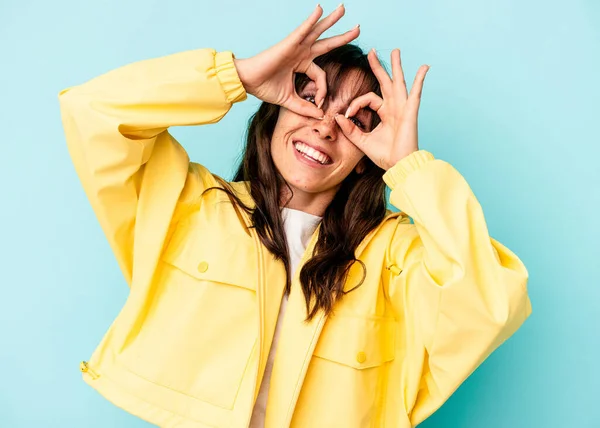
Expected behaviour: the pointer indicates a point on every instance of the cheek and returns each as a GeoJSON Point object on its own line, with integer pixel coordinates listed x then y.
{"type": "Point", "coordinates": [287, 124]}
{"type": "Point", "coordinates": [279, 136]}
{"type": "Point", "coordinates": [351, 155]}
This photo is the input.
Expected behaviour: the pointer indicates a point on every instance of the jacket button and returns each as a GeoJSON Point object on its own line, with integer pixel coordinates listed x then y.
{"type": "Point", "coordinates": [361, 357]}
{"type": "Point", "coordinates": [395, 270]}
{"type": "Point", "coordinates": [203, 267]}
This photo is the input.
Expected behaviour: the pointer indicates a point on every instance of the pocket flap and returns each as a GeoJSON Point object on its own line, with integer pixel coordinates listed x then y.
{"type": "Point", "coordinates": [212, 255]}
{"type": "Point", "coordinates": [357, 342]}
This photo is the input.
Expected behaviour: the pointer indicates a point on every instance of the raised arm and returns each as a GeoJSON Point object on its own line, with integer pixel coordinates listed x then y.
{"type": "Point", "coordinates": [116, 131]}
{"type": "Point", "coordinates": [460, 292]}
{"type": "Point", "coordinates": [132, 169]}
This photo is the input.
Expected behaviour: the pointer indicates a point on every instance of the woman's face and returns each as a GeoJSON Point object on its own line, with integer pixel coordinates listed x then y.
{"type": "Point", "coordinates": [313, 155]}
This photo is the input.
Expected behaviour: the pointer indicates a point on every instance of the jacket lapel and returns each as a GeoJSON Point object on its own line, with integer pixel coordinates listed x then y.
{"type": "Point", "coordinates": [271, 284]}
{"type": "Point", "coordinates": [294, 351]}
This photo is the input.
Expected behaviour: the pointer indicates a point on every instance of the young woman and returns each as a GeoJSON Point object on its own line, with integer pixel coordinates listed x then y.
{"type": "Point", "coordinates": [290, 296]}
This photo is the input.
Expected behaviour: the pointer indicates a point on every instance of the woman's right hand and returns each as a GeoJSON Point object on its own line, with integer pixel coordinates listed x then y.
{"type": "Point", "coordinates": [269, 75]}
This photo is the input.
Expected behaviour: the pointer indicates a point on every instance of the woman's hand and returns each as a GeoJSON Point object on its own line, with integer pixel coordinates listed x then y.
{"type": "Point", "coordinates": [396, 136]}
{"type": "Point", "coordinates": [269, 75]}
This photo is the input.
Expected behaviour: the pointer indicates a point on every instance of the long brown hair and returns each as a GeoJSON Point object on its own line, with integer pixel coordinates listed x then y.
{"type": "Point", "coordinates": [357, 208]}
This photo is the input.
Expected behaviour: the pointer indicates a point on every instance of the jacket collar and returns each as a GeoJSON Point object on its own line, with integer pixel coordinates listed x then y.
{"type": "Point", "coordinates": [299, 338]}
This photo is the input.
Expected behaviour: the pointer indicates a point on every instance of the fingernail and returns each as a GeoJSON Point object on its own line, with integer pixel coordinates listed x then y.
{"type": "Point", "coordinates": [340, 5]}
{"type": "Point", "coordinates": [318, 5]}
{"type": "Point", "coordinates": [347, 113]}
{"type": "Point", "coordinates": [321, 104]}
{"type": "Point", "coordinates": [357, 26]}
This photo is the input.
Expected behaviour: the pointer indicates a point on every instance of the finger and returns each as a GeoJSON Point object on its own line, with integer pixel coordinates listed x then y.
{"type": "Point", "coordinates": [398, 74]}
{"type": "Point", "coordinates": [317, 75]}
{"type": "Point", "coordinates": [382, 76]}
{"type": "Point", "coordinates": [371, 100]}
{"type": "Point", "coordinates": [303, 107]}
{"type": "Point", "coordinates": [300, 33]}
{"type": "Point", "coordinates": [350, 130]}
{"type": "Point", "coordinates": [325, 24]}
{"type": "Point", "coordinates": [330, 43]}
{"type": "Point", "coordinates": [417, 89]}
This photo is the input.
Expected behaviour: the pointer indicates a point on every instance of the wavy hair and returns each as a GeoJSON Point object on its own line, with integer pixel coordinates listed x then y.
{"type": "Point", "coordinates": [356, 209]}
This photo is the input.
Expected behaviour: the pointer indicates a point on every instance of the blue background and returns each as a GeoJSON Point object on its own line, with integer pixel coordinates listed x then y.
{"type": "Point", "coordinates": [510, 100]}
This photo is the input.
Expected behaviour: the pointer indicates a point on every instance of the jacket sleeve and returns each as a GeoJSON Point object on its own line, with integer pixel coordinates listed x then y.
{"type": "Point", "coordinates": [116, 126]}
{"type": "Point", "coordinates": [460, 292]}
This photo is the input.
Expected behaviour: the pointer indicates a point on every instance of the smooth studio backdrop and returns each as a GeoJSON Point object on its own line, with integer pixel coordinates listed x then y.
{"type": "Point", "coordinates": [511, 101]}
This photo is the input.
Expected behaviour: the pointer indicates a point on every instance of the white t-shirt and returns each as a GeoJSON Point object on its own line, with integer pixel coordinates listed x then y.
{"type": "Point", "coordinates": [299, 227]}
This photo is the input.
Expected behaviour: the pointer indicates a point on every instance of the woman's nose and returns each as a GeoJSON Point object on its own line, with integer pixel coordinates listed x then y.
{"type": "Point", "coordinates": [326, 128]}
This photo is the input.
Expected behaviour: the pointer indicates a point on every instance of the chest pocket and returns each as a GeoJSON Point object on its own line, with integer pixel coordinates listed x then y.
{"type": "Point", "coordinates": [211, 255]}
{"type": "Point", "coordinates": [351, 356]}
{"type": "Point", "coordinates": [357, 342]}
{"type": "Point", "coordinates": [200, 327]}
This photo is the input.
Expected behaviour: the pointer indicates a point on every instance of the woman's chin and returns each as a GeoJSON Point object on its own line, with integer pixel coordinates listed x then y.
{"type": "Point", "coordinates": [307, 185]}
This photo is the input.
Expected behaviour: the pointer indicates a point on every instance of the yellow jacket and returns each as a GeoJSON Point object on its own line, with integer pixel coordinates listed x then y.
{"type": "Point", "coordinates": [190, 345]}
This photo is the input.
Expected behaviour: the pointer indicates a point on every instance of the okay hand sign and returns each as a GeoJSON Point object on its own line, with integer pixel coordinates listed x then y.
{"type": "Point", "coordinates": [269, 75]}
{"type": "Point", "coordinates": [396, 136]}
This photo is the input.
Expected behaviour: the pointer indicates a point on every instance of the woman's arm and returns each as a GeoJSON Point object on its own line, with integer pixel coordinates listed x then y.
{"type": "Point", "coordinates": [460, 293]}
{"type": "Point", "coordinates": [116, 122]}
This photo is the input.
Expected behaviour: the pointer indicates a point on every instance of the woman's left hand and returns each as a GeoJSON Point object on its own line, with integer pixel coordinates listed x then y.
{"type": "Point", "coordinates": [396, 136]}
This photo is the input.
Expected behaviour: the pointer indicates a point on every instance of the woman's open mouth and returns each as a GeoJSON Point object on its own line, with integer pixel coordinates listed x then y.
{"type": "Point", "coordinates": [305, 152]}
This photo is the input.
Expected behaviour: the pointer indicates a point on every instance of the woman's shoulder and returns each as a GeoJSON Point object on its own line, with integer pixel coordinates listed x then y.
{"type": "Point", "coordinates": [393, 224]}
{"type": "Point", "coordinates": [201, 182]}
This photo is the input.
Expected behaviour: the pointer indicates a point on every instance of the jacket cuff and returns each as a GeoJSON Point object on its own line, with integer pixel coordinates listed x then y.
{"type": "Point", "coordinates": [228, 76]}
{"type": "Point", "coordinates": [397, 174]}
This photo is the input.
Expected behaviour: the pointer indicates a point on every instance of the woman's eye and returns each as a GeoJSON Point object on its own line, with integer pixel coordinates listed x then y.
{"type": "Point", "coordinates": [357, 122]}
{"type": "Point", "coordinates": [311, 99]}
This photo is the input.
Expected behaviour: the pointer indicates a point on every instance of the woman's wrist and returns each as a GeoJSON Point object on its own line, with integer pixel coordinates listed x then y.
{"type": "Point", "coordinates": [242, 71]}
{"type": "Point", "coordinates": [399, 156]}
{"type": "Point", "coordinates": [398, 173]}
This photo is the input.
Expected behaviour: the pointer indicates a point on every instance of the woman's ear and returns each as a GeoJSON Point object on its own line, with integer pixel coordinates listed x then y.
{"type": "Point", "coordinates": [360, 166]}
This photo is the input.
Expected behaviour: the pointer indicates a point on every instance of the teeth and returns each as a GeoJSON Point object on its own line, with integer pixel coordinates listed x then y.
{"type": "Point", "coordinates": [322, 158]}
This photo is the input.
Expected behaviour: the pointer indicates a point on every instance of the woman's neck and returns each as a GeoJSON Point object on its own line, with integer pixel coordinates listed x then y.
{"type": "Point", "coordinates": [311, 203]}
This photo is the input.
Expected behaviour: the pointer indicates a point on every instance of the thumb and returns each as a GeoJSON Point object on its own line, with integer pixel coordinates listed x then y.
{"type": "Point", "coordinates": [350, 130]}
